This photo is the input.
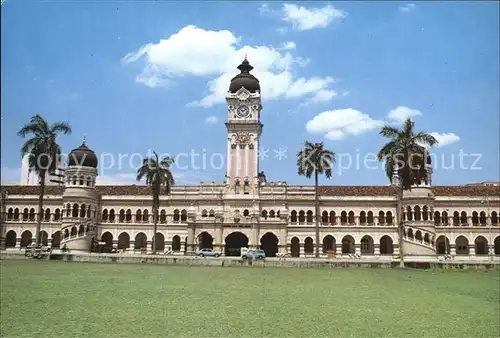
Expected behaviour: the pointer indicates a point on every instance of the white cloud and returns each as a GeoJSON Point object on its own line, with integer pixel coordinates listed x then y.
{"type": "Point", "coordinates": [445, 139]}
{"type": "Point", "coordinates": [337, 124]}
{"type": "Point", "coordinates": [11, 175]}
{"type": "Point", "coordinates": [211, 119]}
{"type": "Point", "coordinates": [406, 8]}
{"type": "Point", "coordinates": [401, 113]}
{"type": "Point", "coordinates": [197, 52]}
{"type": "Point", "coordinates": [305, 19]}
{"type": "Point", "coordinates": [288, 45]}
{"type": "Point", "coordinates": [282, 30]}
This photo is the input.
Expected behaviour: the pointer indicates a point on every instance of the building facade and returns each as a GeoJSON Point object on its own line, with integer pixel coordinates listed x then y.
{"type": "Point", "coordinates": [247, 211]}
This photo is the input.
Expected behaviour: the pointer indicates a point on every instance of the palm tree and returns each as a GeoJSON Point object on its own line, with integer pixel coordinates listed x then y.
{"type": "Point", "coordinates": [315, 159]}
{"type": "Point", "coordinates": [44, 154]}
{"type": "Point", "coordinates": [406, 154]}
{"type": "Point", "coordinates": [157, 173]}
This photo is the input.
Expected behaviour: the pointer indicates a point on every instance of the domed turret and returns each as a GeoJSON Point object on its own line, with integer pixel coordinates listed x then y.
{"type": "Point", "coordinates": [82, 156]}
{"type": "Point", "coordinates": [244, 79]}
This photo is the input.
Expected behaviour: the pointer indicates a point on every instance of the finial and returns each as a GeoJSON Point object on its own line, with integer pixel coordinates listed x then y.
{"type": "Point", "coordinates": [84, 139]}
{"type": "Point", "coordinates": [245, 56]}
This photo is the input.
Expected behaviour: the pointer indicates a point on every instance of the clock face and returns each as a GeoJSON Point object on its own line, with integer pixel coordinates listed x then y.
{"type": "Point", "coordinates": [243, 111]}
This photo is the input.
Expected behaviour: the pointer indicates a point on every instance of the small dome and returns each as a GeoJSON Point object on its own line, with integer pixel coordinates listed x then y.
{"type": "Point", "coordinates": [82, 156]}
{"type": "Point", "coordinates": [244, 79]}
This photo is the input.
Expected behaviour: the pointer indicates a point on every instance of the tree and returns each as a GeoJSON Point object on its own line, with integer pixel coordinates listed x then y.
{"type": "Point", "coordinates": [405, 154]}
{"type": "Point", "coordinates": [315, 159]}
{"type": "Point", "coordinates": [43, 154]}
{"type": "Point", "coordinates": [158, 175]}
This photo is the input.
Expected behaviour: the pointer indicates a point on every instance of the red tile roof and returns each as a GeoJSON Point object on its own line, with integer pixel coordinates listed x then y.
{"type": "Point", "coordinates": [113, 190]}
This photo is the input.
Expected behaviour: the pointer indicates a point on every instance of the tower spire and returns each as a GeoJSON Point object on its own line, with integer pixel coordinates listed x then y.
{"type": "Point", "coordinates": [84, 139]}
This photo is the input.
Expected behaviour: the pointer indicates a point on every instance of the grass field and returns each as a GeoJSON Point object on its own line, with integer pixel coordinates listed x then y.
{"type": "Point", "coordinates": [56, 299]}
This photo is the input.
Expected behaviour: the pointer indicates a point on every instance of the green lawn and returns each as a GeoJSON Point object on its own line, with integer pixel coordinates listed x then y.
{"type": "Point", "coordinates": [56, 299]}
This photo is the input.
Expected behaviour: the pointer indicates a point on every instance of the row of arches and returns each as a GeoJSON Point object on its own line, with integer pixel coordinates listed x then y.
{"type": "Point", "coordinates": [80, 180]}
{"type": "Point", "coordinates": [13, 214]}
{"type": "Point", "coordinates": [27, 238]}
{"type": "Point", "coordinates": [462, 218]}
{"type": "Point", "coordinates": [345, 218]}
{"type": "Point", "coordinates": [144, 216]}
{"type": "Point", "coordinates": [463, 247]}
{"type": "Point", "coordinates": [80, 230]}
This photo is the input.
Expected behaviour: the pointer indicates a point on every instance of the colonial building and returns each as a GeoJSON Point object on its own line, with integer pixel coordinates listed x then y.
{"type": "Point", "coordinates": [247, 211]}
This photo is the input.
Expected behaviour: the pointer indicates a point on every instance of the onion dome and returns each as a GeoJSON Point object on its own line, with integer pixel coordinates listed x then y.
{"type": "Point", "coordinates": [82, 156]}
{"type": "Point", "coordinates": [244, 79]}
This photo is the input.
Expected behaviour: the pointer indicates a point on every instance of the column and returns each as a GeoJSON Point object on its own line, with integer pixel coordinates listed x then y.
{"type": "Point", "coordinates": [190, 239]}
{"type": "Point", "coordinates": [377, 249]}
{"type": "Point", "coordinates": [356, 220]}
{"type": "Point", "coordinates": [149, 247]}
{"type": "Point", "coordinates": [338, 248]}
{"type": "Point", "coordinates": [168, 246]}
{"type": "Point", "coordinates": [115, 243]}
{"type": "Point", "coordinates": [357, 247]}
{"type": "Point", "coordinates": [375, 220]}
{"type": "Point", "coordinates": [183, 246]}
{"type": "Point", "coordinates": [131, 245]}
{"type": "Point", "coordinates": [302, 253]}
{"type": "Point", "coordinates": [49, 242]}
{"type": "Point", "coordinates": [472, 250]}
{"type": "Point", "coordinates": [453, 250]}
{"type": "Point", "coordinates": [395, 248]}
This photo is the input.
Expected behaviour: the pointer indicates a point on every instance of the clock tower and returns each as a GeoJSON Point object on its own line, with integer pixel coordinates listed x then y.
{"type": "Point", "coordinates": [243, 130]}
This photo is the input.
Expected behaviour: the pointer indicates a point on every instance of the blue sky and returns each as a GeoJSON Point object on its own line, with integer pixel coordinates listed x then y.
{"type": "Point", "coordinates": [134, 76]}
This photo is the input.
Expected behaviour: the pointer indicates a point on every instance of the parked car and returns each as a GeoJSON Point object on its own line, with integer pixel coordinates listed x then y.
{"type": "Point", "coordinates": [253, 254]}
{"type": "Point", "coordinates": [207, 253]}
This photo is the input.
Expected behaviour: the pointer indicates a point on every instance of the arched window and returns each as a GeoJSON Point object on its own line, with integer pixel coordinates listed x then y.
{"type": "Point", "coordinates": [128, 216]}
{"type": "Point", "coordinates": [463, 218]}
{"type": "Point", "coordinates": [121, 217]}
{"type": "Point", "coordinates": [350, 218]}
{"type": "Point", "coordinates": [145, 215]}
{"type": "Point", "coordinates": [75, 210]}
{"type": "Point", "coordinates": [302, 217]}
{"type": "Point", "coordinates": [343, 218]}
{"type": "Point", "coordinates": [370, 218]}
{"type": "Point", "coordinates": [264, 214]}
{"type": "Point", "coordinates": [381, 218]}
{"type": "Point", "coordinates": [362, 217]}
{"type": "Point", "coordinates": [57, 215]}
{"type": "Point", "coordinates": [333, 217]}
{"type": "Point", "coordinates": [163, 216]}
{"type": "Point", "coordinates": [32, 214]}
{"type": "Point", "coordinates": [16, 214]}
{"type": "Point", "coordinates": [104, 215]}
{"type": "Point", "coordinates": [138, 216]}
{"type": "Point", "coordinates": [112, 215]}
{"type": "Point", "coordinates": [177, 216]}
{"type": "Point", "coordinates": [10, 213]}
{"type": "Point", "coordinates": [309, 216]}
{"type": "Point", "coordinates": [83, 210]}
{"type": "Point", "coordinates": [47, 215]}
{"type": "Point", "coordinates": [293, 216]}
{"type": "Point", "coordinates": [183, 215]}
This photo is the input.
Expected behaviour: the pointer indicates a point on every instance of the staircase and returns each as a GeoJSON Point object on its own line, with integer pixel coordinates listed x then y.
{"type": "Point", "coordinates": [78, 237]}
{"type": "Point", "coordinates": [419, 247]}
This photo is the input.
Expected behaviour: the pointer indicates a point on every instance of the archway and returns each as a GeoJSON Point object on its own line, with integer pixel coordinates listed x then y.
{"type": "Point", "coordinates": [176, 243]}
{"type": "Point", "coordinates": [10, 239]}
{"type": "Point", "coordinates": [442, 245]}
{"type": "Point", "coordinates": [234, 242]}
{"type": "Point", "coordinates": [481, 245]}
{"type": "Point", "coordinates": [159, 242]}
{"type": "Point", "coordinates": [295, 247]}
{"type": "Point", "coordinates": [44, 238]}
{"type": "Point", "coordinates": [497, 245]}
{"type": "Point", "coordinates": [205, 241]}
{"type": "Point", "coordinates": [141, 241]}
{"type": "Point", "coordinates": [123, 241]}
{"type": "Point", "coordinates": [328, 243]}
{"type": "Point", "coordinates": [308, 246]}
{"type": "Point", "coordinates": [367, 247]}
{"type": "Point", "coordinates": [107, 238]}
{"type": "Point", "coordinates": [56, 239]}
{"type": "Point", "coordinates": [462, 245]}
{"type": "Point", "coordinates": [386, 245]}
{"type": "Point", "coordinates": [348, 245]}
{"type": "Point", "coordinates": [269, 243]}
{"type": "Point", "coordinates": [26, 238]}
